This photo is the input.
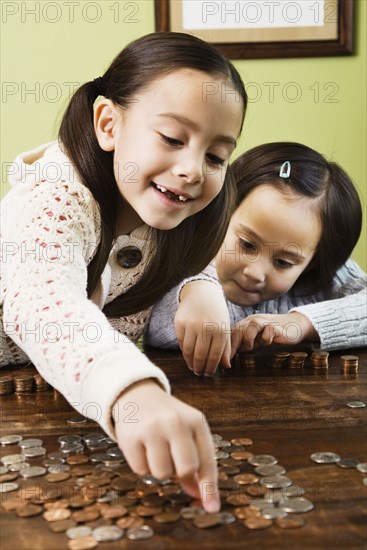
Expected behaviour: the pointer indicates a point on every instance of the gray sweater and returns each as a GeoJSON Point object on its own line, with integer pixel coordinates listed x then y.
{"type": "Point", "coordinates": [340, 318]}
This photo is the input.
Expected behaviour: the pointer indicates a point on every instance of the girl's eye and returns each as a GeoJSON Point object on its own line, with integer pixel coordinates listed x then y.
{"type": "Point", "coordinates": [214, 159]}
{"type": "Point", "coordinates": [247, 246]}
{"type": "Point", "coordinates": [171, 141]}
{"type": "Point", "coordinates": [283, 263]}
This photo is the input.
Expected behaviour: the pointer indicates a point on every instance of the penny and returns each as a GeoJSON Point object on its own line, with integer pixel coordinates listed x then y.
{"type": "Point", "coordinates": [129, 522]}
{"type": "Point", "coordinates": [114, 512]}
{"type": "Point", "coordinates": [258, 523]}
{"type": "Point", "coordinates": [347, 463]}
{"type": "Point", "coordinates": [238, 499]}
{"type": "Point", "coordinates": [85, 515]}
{"type": "Point", "coordinates": [10, 476]}
{"type": "Point", "coordinates": [147, 511]}
{"type": "Point", "coordinates": [167, 517]}
{"type": "Point", "coordinates": [33, 471]}
{"type": "Point", "coordinates": [77, 459]}
{"type": "Point", "coordinates": [140, 533]}
{"type": "Point", "coordinates": [241, 455]}
{"type": "Point", "coordinates": [29, 510]}
{"type": "Point", "coordinates": [82, 543]}
{"type": "Point", "coordinates": [108, 533]}
{"type": "Point", "coordinates": [246, 479]}
{"type": "Point", "coordinates": [325, 457]}
{"type": "Point", "coordinates": [63, 503]}
{"type": "Point", "coordinates": [56, 478]}
{"type": "Point", "coordinates": [10, 439]}
{"type": "Point", "coordinates": [256, 490]}
{"type": "Point", "coordinates": [57, 514]}
{"type": "Point", "coordinates": [12, 504]}
{"type": "Point", "coordinates": [296, 506]}
{"type": "Point", "coordinates": [290, 522]}
{"type": "Point", "coordinates": [77, 532]}
{"type": "Point", "coordinates": [246, 441]}
{"type": "Point", "coordinates": [262, 460]}
{"type": "Point", "coordinates": [207, 521]}
{"type": "Point", "coordinates": [362, 467]}
{"type": "Point", "coordinates": [356, 404]}
{"type": "Point", "coordinates": [241, 512]}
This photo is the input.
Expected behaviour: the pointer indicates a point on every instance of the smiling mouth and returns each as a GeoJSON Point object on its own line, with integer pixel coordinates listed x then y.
{"type": "Point", "coordinates": [170, 194]}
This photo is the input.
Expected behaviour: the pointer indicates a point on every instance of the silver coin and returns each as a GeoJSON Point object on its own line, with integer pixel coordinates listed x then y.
{"type": "Point", "coordinates": [10, 439]}
{"type": "Point", "coordinates": [77, 532]}
{"type": "Point", "coordinates": [356, 404]}
{"type": "Point", "coordinates": [274, 495]}
{"type": "Point", "coordinates": [273, 513]}
{"type": "Point", "coordinates": [226, 518]}
{"type": "Point", "coordinates": [99, 457]}
{"type": "Point", "coordinates": [293, 491]}
{"type": "Point", "coordinates": [296, 506]}
{"type": "Point", "coordinates": [275, 482]}
{"type": "Point", "coordinates": [49, 462]}
{"type": "Point", "coordinates": [57, 468]}
{"type": "Point", "coordinates": [34, 451]}
{"type": "Point", "coordinates": [221, 454]}
{"type": "Point", "coordinates": [190, 512]}
{"type": "Point", "coordinates": [347, 463]}
{"type": "Point", "coordinates": [12, 459]}
{"type": "Point", "coordinates": [115, 452]}
{"type": "Point", "coordinates": [27, 443]}
{"type": "Point", "coordinates": [56, 455]}
{"type": "Point", "coordinates": [325, 458]}
{"type": "Point", "coordinates": [262, 504]}
{"type": "Point", "coordinates": [364, 481]}
{"type": "Point", "coordinates": [18, 466]}
{"type": "Point", "coordinates": [63, 439]}
{"type": "Point", "coordinates": [95, 437]}
{"type": "Point", "coordinates": [262, 460]}
{"type": "Point", "coordinates": [8, 487]}
{"type": "Point", "coordinates": [107, 533]}
{"type": "Point", "coordinates": [71, 449]}
{"type": "Point", "coordinates": [33, 471]}
{"type": "Point", "coordinates": [3, 470]}
{"type": "Point", "coordinates": [140, 533]}
{"type": "Point", "coordinates": [109, 441]}
{"type": "Point", "coordinates": [110, 496]}
{"type": "Point", "coordinates": [362, 467]}
{"type": "Point", "coordinates": [223, 443]}
{"type": "Point", "coordinates": [274, 470]}
{"type": "Point", "coordinates": [77, 420]}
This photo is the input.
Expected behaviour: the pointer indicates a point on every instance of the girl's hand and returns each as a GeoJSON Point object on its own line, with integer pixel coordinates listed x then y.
{"type": "Point", "coordinates": [266, 329]}
{"type": "Point", "coordinates": [165, 437]}
{"type": "Point", "coordinates": [203, 327]}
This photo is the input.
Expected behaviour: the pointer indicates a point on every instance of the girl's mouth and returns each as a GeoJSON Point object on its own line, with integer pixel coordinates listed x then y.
{"type": "Point", "coordinates": [170, 194]}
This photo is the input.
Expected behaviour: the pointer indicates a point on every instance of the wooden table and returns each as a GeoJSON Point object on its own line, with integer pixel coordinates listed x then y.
{"type": "Point", "coordinates": [289, 413]}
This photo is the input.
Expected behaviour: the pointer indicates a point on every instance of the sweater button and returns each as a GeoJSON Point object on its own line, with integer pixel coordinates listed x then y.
{"type": "Point", "coordinates": [129, 256]}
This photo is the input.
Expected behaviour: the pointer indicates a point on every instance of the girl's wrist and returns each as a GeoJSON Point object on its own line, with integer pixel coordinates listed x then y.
{"type": "Point", "coordinates": [308, 331]}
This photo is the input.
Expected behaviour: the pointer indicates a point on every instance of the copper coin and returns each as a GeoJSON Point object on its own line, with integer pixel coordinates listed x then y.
{"type": "Point", "coordinates": [63, 503]}
{"type": "Point", "coordinates": [12, 505]}
{"type": "Point", "coordinates": [241, 512]}
{"type": "Point", "coordinates": [258, 523]}
{"type": "Point", "coordinates": [77, 459]}
{"type": "Point", "coordinates": [167, 517]}
{"type": "Point", "coordinates": [82, 543]}
{"type": "Point", "coordinates": [79, 502]}
{"type": "Point", "coordinates": [245, 441]}
{"type": "Point", "coordinates": [82, 470]}
{"type": "Point", "coordinates": [147, 511]}
{"type": "Point", "coordinates": [128, 522]}
{"type": "Point", "coordinates": [29, 510]}
{"type": "Point", "coordinates": [56, 478]}
{"type": "Point", "coordinates": [238, 499]}
{"type": "Point", "coordinates": [100, 522]}
{"type": "Point", "coordinates": [290, 522]}
{"type": "Point", "coordinates": [246, 479]}
{"type": "Point", "coordinates": [61, 526]}
{"type": "Point", "coordinates": [241, 455]}
{"type": "Point", "coordinates": [8, 477]}
{"type": "Point", "coordinates": [87, 514]}
{"type": "Point", "coordinates": [206, 521]}
{"type": "Point", "coordinates": [256, 490]}
{"type": "Point", "coordinates": [114, 512]}
{"type": "Point", "coordinates": [57, 514]}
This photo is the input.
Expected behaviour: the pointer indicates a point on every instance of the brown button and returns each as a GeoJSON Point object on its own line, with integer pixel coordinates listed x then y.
{"type": "Point", "coordinates": [129, 256]}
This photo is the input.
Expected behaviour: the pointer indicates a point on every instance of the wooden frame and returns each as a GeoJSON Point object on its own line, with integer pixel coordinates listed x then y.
{"type": "Point", "coordinates": [271, 42]}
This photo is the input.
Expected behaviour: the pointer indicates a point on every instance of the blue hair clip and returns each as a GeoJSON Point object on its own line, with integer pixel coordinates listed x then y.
{"type": "Point", "coordinates": [285, 170]}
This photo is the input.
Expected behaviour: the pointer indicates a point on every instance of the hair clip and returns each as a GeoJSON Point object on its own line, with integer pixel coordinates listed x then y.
{"type": "Point", "coordinates": [285, 170]}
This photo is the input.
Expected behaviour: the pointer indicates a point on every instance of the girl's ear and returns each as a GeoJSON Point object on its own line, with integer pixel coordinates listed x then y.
{"type": "Point", "coordinates": [105, 118]}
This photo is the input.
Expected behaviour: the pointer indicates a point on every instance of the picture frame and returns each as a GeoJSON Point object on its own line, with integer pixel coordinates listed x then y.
{"type": "Point", "coordinates": [246, 29]}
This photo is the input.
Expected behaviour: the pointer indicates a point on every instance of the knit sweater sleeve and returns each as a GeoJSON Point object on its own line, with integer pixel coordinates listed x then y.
{"type": "Point", "coordinates": [341, 322]}
{"type": "Point", "coordinates": [50, 234]}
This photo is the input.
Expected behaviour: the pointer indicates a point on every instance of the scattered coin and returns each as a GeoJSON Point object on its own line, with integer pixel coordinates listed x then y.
{"type": "Point", "coordinates": [108, 533]}
{"type": "Point", "coordinates": [207, 520]}
{"type": "Point", "coordinates": [273, 513]}
{"type": "Point", "coordinates": [258, 523]}
{"type": "Point", "coordinates": [29, 510]}
{"type": "Point", "coordinates": [3, 470]}
{"type": "Point", "coordinates": [10, 439]}
{"type": "Point", "coordinates": [7, 487]}
{"type": "Point", "coordinates": [356, 404]}
{"type": "Point", "coordinates": [82, 543]}
{"type": "Point", "coordinates": [270, 470]}
{"type": "Point", "coordinates": [140, 533]}
{"type": "Point", "coordinates": [296, 506]}
{"type": "Point", "coordinates": [33, 451]}
{"type": "Point", "coordinates": [347, 463]}
{"type": "Point", "coordinates": [362, 467]}
{"type": "Point", "coordinates": [76, 532]}
{"type": "Point", "coordinates": [27, 443]}
{"type": "Point", "coordinates": [33, 471]}
{"type": "Point", "coordinates": [262, 460]}
{"type": "Point", "coordinates": [275, 482]}
{"type": "Point", "coordinates": [57, 477]}
{"type": "Point", "coordinates": [57, 514]}
{"type": "Point", "coordinates": [293, 522]}
{"type": "Point", "coordinates": [167, 517]}
{"type": "Point", "coordinates": [325, 458]}
{"type": "Point", "coordinates": [12, 459]}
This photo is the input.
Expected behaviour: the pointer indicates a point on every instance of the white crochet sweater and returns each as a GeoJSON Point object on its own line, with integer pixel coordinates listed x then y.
{"type": "Point", "coordinates": [50, 231]}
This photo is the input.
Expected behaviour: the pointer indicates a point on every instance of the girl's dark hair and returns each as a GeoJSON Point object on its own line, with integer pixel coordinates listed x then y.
{"type": "Point", "coordinates": [188, 248]}
{"type": "Point", "coordinates": [335, 198]}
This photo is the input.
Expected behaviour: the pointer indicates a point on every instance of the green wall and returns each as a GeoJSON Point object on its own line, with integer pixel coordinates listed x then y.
{"type": "Point", "coordinates": [47, 48]}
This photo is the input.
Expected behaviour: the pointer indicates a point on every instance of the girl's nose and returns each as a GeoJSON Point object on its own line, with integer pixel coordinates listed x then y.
{"type": "Point", "coordinates": [255, 271]}
{"type": "Point", "coordinates": [190, 168]}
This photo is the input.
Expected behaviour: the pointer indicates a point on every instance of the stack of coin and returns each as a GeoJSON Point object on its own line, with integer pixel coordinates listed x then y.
{"type": "Point", "coordinates": [6, 385]}
{"type": "Point", "coordinates": [349, 364]}
{"type": "Point", "coordinates": [24, 384]}
{"type": "Point", "coordinates": [319, 360]}
{"type": "Point", "coordinates": [41, 384]}
{"type": "Point", "coordinates": [247, 359]}
{"type": "Point", "coordinates": [297, 359]}
{"type": "Point", "coordinates": [279, 359]}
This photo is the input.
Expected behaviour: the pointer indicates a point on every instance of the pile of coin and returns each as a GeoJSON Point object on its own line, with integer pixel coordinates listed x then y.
{"type": "Point", "coordinates": [297, 359]}
{"type": "Point", "coordinates": [41, 384]}
{"type": "Point", "coordinates": [92, 495]}
{"type": "Point", "coordinates": [279, 359]}
{"type": "Point", "coordinates": [24, 384]}
{"type": "Point", "coordinates": [345, 463]}
{"type": "Point", "coordinates": [349, 364]}
{"type": "Point", "coordinates": [6, 385]}
{"type": "Point", "coordinates": [247, 359]}
{"type": "Point", "coordinates": [320, 360]}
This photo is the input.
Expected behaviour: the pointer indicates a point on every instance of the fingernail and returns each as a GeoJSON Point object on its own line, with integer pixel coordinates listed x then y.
{"type": "Point", "coordinates": [212, 506]}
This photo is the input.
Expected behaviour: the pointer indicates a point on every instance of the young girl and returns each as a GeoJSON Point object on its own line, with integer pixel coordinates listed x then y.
{"type": "Point", "coordinates": [283, 265]}
{"type": "Point", "coordinates": [110, 217]}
